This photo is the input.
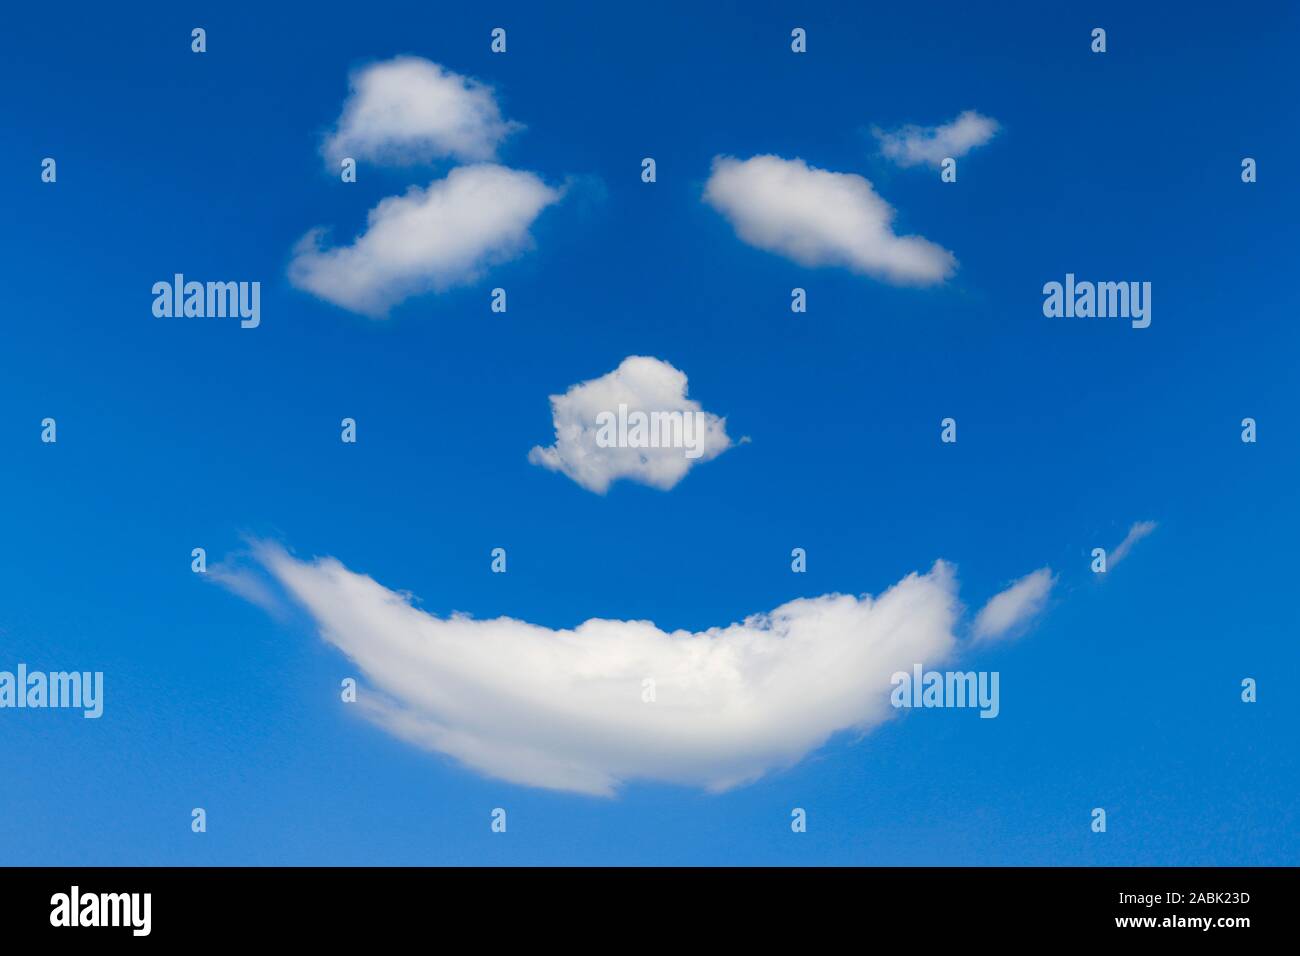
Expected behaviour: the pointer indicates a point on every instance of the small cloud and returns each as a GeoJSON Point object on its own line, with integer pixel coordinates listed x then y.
{"type": "Point", "coordinates": [1135, 534]}
{"type": "Point", "coordinates": [247, 583]}
{"type": "Point", "coordinates": [427, 240]}
{"type": "Point", "coordinates": [821, 218]}
{"type": "Point", "coordinates": [588, 416]}
{"type": "Point", "coordinates": [409, 110]}
{"type": "Point", "coordinates": [1010, 610]}
{"type": "Point", "coordinates": [931, 145]}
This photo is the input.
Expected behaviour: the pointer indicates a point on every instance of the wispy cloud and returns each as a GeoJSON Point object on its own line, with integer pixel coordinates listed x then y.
{"type": "Point", "coordinates": [1009, 611]}
{"type": "Point", "coordinates": [930, 145]}
{"type": "Point", "coordinates": [821, 218]}
{"type": "Point", "coordinates": [247, 583]}
{"type": "Point", "coordinates": [1136, 533]}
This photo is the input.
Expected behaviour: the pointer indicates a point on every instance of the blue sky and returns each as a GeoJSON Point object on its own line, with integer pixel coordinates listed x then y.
{"type": "Point", "coordinates": [181, 433]}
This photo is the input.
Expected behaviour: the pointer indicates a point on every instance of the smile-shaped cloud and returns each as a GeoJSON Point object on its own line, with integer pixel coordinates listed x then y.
{"type": "Point", "coordinates": [590, 708]}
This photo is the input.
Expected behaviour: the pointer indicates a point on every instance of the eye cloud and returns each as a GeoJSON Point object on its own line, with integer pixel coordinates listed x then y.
{"type": "Point", "coordinates": [820, 218]}
{"type": "Point", "coordinates": [427, 240]}
{"type": "Point", "coordinates": [404, 111]}
{"type": "Point", "coordinates": [410, 110]}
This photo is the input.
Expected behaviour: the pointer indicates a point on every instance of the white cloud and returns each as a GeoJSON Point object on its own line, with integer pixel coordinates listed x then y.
{"type": "Point", "coordinates": [641, 384]}
{"type": "Point", "coordinates": [1013, 608]}
{"type": "Point", "coordinates": [820, 218]}
{"type": "Point", "coordinates": [564, 709]}
{"type": "Point", "coordinates": [1135, 534]}
{"type": "Point", "coordinates": [245, 583]}
{"type": "Point", "coordinates": [931, 145]}
{"type": "Point", "coordinates": [427, 240]}
{"type": "Point", "coordinates": [409, 110]}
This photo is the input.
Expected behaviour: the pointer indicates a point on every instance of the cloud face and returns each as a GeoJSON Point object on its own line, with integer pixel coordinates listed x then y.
{"type": "Point", "coordinates": [931, 145]}
{"type": "Point", "coordinates": [427, 240]}
{"type": "Point", "coordinates": [1136, 533]}
{"type": "Point", "coordinates": [1015, 607]}
{"type": "Point", "coordinates": [820, 218]}
{"type": "Point", "coordinates": [566, 709]}
{"type": "Point", "coordinates": [588, 416]}
{"type": "Point", "coordinates": [408, 110]}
